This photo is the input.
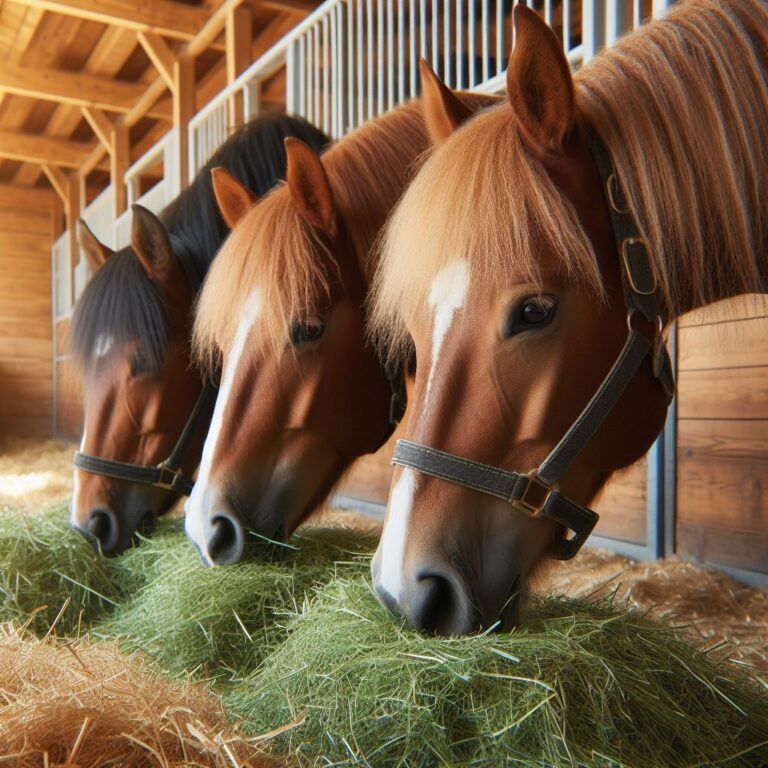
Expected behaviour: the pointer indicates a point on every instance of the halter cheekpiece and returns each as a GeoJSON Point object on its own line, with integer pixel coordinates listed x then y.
{"type": "Point", "coordinates": [536, 493]}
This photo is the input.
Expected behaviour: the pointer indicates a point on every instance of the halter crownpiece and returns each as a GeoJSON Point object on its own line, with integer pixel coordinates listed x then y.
{"type": "Point", "coordinates": [536, 493]}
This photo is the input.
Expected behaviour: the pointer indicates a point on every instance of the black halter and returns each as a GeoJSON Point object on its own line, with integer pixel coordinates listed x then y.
{"type": "Point", "coordinates": [536, 493]}
{"type": "Point", "coordinates": [168, 473]}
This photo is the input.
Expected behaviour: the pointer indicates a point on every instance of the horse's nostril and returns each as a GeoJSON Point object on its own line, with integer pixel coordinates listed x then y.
{"type": "Point", "coordinates": [147, 524]}
{"type": "Point", "coordinates": [226, 541]}
{"type": "Point", "coordinates": [103, 528]}
{"type": "Point", "coordinates": [436, 604]}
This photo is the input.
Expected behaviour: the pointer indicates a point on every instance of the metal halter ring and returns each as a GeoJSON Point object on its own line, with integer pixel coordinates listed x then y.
{"type": "Point", "coordinates": [534, 508]}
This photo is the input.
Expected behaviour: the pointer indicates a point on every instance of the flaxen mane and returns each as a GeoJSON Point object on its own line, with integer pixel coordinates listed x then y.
{"type": "Point", "coordinates": [273, 249]}
{"type": "Point", "coordinates": [121, 302]}
{"type": "Point", "coordinates": [682, 106]}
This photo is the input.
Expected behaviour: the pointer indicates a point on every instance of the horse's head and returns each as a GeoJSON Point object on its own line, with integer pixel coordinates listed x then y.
{"type": "Point", "coordinates": [302, 392]}
{"type": "Point", "coordinates": [130, 337]}
{"type": "Point", "coordinates": [499, 267]}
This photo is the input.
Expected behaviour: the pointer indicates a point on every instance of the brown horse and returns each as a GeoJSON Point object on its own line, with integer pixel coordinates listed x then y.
{"type": "Point", "coordinates": [130, 336]}
{"type": "Point", "coordinates": [303, 393]}
{"type": "Point", "coordinates": [501, 268]}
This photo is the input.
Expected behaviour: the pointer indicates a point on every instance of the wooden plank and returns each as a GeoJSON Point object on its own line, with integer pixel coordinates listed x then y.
{"type": "Point", "coordinates": [41, 149]}
{"type": "Point", "coordinates": [100, 124]}
{"type": "Point", "coordinates": [163, 17]}
{"type": "Point", "coordinates": [723, 474]}
{"type": "Point", "coordinates": [12, 197]}
{"type": "Point", "coordinates": [740, 308]}
{"type": "Point", "coordinates": [160, 55]}
{"type": "Point", "coordinates": [734, 344]}
{"type": "Point", "coordinates": [740, 549]}
{"type": "Point", "coordinates": [622, 505]}
{"type": "Point", "coordinates": [78, 88]}
{"type": "Point", "coordinates": [239, 39]}
{"type": "Point", "coordinates": [738, 393]}
{"type": "Point", "coordinates": [119, 161]}
{"type": "Point", "coordinates": [28, 221]}
{"type": "Point", "coordinates": [183, 111]}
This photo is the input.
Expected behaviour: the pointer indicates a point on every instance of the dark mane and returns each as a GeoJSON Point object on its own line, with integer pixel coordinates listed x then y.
{"type": "Point", "coordinates": [121, 303]}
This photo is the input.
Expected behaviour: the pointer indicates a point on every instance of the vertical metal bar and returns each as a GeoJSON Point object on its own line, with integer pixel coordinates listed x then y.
{"type": "Point", "coordinates": [400, 51]}
{"type": "Point", "coordinates": [615, 20]}
{"type": "Point", "coordinates": [592, 26]}
{"type": "Point", "coordinates": [670, 459]}
{"type": "Point", "coordinates": [313, 92]}
{"type": "Point", "coordinates": [350, 118]}
{"type": "Point", "coordinates": [423, 28]}
{"type": "Point", "coordinates": [435, 32]}
{"type": "Point", "coordinates": [390, 54]}
{"type": "Point", "coordinates": [654, 500]}
{"type": "Point", "coordinates": [447, 43]}
{"type": "Point", "coordinates": [660, 7]}
{"type": "Point", "coordinates": [380, 12]}
{"type": "Point", "coordinates": [459, 44]}
{"type": "Point", "coordinates": [548, 12]}
{"type": "Point", "coordinates": [339, 69]}
{"type": "Point", "coordinates": [290, 79]}
{"type": "Point", "coordinates": [485, 28]}
{"type": "Point", "coordinates": [567, 25]}
{"type": "Point", "coordinates": [637, 13]}
{"type": "Point", "coordinates": [326, 79]}
{"type": "Point", "coordinates": [412, 41]}
{"type": "Point", "coordinates": [471, 32]}
{"type": "Point", "coordinates": [302, 110]}
{"type": "Point", "coordinates": [500, 63]}
{"type": "Point", "coordinates": [54, 342]}
{"type": "Point", "coordinates": [360, 75]}
{"type": "Point", "coordinates": [370, 59]}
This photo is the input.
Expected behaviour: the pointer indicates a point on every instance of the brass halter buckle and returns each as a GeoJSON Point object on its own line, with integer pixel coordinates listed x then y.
{"type": "Point", "coordinates": [165, 472]}
{"type": "Point", "coordinates": [539, 492]}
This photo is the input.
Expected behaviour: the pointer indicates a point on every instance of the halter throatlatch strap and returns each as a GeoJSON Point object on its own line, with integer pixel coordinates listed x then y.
{"type": "Point", "coordinates": [536, 493]}
{"type": "Point", "coordinates": [167, 474]}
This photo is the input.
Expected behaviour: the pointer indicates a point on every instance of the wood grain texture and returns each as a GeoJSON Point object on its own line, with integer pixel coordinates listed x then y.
{"type": "Point", "coordinates": [25, 323]}
{"type": "Point", "coordinates": [732, 344]}
{"type": "Point", "coordinates": [735, 393]}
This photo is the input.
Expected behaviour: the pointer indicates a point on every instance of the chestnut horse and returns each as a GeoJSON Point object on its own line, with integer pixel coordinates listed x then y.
{"type": "Point", "coordinates": [130, 336]}
{"type": "Point", "coordinates": [501, 268]}
{"type": "Point", "coordinates": [303, 393]}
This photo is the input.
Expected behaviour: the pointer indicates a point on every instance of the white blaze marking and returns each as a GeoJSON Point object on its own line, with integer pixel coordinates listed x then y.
{"type": "Point", "coordinates": [104, 343]}
{"type": "Point", "coordinates": [196, 508]}
{"type": "Point", "coordinates": [447, 294]}
{"type": "Point", "coordinates": [395, 532]}
{"type": "Point", "coordinates": [76, 489]}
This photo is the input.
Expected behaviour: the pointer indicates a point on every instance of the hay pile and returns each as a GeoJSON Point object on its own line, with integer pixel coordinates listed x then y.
{"type": "Point", "coordinates": [86, 704]}
{"type": "Point", "coordinates": [305, 659]}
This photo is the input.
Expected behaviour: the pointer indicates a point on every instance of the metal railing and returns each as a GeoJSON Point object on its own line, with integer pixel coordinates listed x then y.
{"type": "Point", "coordinates": [61, 277]}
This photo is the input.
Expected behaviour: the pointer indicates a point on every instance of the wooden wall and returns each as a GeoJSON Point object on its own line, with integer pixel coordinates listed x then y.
{"type": "Point", "coordinates": [722, 448]}
{"type": "Point", "coordinates": [26, 390]}
{"type": "Point", "coordinates": [69, 403]}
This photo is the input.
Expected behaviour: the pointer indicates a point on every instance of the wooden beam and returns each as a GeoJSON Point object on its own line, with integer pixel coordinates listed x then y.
{"type": "Point", "coordinates": [163, 17]}
{"type": "Point", "coordinates": [100, 124]}
{"type": "Point", "coordinates": [159, 54]}
{"type": "Point", "coordinates": [78, 88]}
{"type": "Point", "coordinates": [32, 198]}
{"type": "Point", "coordinates": [58, 180]}
{"type": "Point", "coordinates": [294, 7]}
{"type": "Point", "coordinates": [183, 111]}
{"type": "Point", "coordinates": [120, 159]}
{"type": "Point", "coordinates": [239, 41]}
{"type": "Point", "coordinates": [41, 149]}
{"type": "Point", "coordinates": [212, 29]}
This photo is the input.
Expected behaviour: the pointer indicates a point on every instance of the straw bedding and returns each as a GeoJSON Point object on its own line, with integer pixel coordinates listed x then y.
{"type": "Point", "coordinates": [150, 659]}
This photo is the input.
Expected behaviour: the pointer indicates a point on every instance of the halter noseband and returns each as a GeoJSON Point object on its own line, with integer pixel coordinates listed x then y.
{"type": "Point", "coordinates": [536, 493]}
{"type": "Point", "coordinates": [168, 474]}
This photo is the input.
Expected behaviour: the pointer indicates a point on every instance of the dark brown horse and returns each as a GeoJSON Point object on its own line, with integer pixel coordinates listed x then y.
{"type": "Point", "coordinates": [501, 269]}
{"type": "Point", "coordinates": [303, 393]}
{"type": "Point", "coordinates": [130, 336]}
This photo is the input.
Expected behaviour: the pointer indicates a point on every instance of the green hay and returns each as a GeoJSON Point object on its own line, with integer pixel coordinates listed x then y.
{"type": "Point", "coordinates": [220, 622]}
{"type": "Point", "coordinates": [584, 684]}
{"type": "Point", "coordinates": [46, 568]}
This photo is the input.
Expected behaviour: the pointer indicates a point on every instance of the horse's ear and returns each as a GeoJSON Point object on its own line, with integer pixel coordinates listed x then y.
{"type": "Point", "coordinates": [444, 111]}
{"type": "Point", "coordinates": [309, 186]}
{"type": "Point", "coordinates": [539, 84]}
{"type": "Point", "coordinates": [233, 198]}
{"type": "Point", "coordinates": [95, 252]}
{"type": "Point", "coordinates": [151, 244]}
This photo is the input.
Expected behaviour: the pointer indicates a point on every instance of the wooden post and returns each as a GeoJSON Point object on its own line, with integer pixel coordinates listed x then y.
{"type": "Point", "coordinates": [119, 159]}
{"type": "Point", "coordinates": [239, 41]}
{"type": "Point", "coordinates": [183, 111]}
{"type": "Point", "coordinates": [72, 209]}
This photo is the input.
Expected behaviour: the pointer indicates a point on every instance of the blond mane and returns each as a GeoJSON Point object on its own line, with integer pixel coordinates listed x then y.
{"type": "Point", "coordinates": [682, 106]}
{"type": "Point", "coordinates": [274, 249]}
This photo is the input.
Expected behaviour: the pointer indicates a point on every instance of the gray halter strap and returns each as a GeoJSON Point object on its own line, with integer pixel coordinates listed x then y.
{"type": "Point", "coordinates": [536, 493]}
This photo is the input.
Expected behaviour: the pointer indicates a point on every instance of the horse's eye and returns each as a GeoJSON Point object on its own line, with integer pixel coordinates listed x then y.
{"type": "Point", "coordinates": [530, 314]}
{"type": "Point", "coordinates": [139, 363]}
{"type": "Point", "coordinates": [309, 329]}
